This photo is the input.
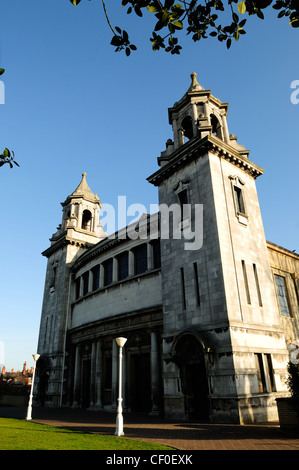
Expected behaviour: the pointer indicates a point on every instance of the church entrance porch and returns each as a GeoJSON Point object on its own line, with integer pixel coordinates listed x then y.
{"type": "Point", "coordinates": [195, 391]}
{"type": "Point", "coordinates": [93, 383]}
{"type": "Point", "coordinates": [186, 392]}
{"type": "Point", "coordinates": [190, 360]}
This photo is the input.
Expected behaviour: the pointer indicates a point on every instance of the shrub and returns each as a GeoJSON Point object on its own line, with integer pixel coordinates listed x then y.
{"type": "Point", "coordinates": [293, 384]}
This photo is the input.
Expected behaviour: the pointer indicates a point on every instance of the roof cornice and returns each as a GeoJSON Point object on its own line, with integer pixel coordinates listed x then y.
{"type": "Point", "coordinates": [196, 148]}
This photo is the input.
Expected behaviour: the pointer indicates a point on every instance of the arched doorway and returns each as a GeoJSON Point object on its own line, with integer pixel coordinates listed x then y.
{"type": "Point", "coordinates": [189, 357]}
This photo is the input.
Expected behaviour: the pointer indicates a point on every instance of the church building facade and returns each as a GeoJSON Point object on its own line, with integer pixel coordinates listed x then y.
{"type": "Point", "coordinates": [208, 306]}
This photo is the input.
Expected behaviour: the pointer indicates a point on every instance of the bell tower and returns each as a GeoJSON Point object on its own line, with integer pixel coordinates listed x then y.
{"type": "Point", "coordinates": [81, 212]}
{"type": "Point", "coordinates": [80, 228]}
{"type": "Point", "coordinates": [220, 313]}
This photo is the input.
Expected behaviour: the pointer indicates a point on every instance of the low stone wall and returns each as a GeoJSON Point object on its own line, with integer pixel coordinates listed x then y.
{"type": "Point", "coordinates": [13, 400]}
{"type": "Point", "coordinates": [288, 417]}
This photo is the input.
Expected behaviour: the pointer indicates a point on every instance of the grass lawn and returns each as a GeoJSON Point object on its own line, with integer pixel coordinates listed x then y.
{"type": "Point", "coordinates": [17, 434]}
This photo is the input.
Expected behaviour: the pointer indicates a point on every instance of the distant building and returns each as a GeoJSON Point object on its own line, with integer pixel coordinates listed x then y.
{"type": "Point", "coordinates": [19, 377]}
{"type": "Point", "coordinates": [208, 306]}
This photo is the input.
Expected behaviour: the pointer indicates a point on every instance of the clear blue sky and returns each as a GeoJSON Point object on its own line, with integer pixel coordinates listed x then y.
{"type": "Point", "coordinates": [72, 104]}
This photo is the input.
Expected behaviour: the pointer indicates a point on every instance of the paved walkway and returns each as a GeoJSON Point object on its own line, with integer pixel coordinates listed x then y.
{"type": "Point", "coordinates": [179, 435]}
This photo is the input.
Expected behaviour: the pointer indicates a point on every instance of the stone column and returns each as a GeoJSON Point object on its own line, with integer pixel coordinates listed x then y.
{"type": "Point", "coordinates": [70, 385]}
{"type": "Point", "coordinates": [101, 275]}
{"type": "Point", "coordinates": [131, 263]}
{"type": "Point", "coordinates": [177, 143]}
{"type": "Point", "coordinates": [98, 384]}
{"type": "Point", "coordinates": [225, 130]}
{"type": "Point", "coordinates": [115, 270]}
{"type": "Point", "coordinates": [155, 374]}
{"type": "Point", "coordinates": [92, 375]}
{"type": "Point", "coordinates": [90, 281]}
{"type": "Point", "coordinates": [77, 380]}
{"type": "Point", "coordinates": [195, 116]}
{"type": "Point", "coordinates": [150, 261]}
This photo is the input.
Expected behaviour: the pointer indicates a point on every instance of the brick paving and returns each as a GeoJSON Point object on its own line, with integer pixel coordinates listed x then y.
{"type": "Point", "coordinates": [176, 434]}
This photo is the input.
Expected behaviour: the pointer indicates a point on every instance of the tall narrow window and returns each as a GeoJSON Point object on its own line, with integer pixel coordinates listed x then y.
{"type": "Point", "coordinates": [258, 290]}
{"type": "Point", "coordinates": [53, 277]}
{"type": "Point", "coordinates": [86, 220]}
{"type": "Point", "coordinates": [197, 293]}
{"type": "Point", "coordinates": [282, 295]}
{"type": "Point", "coordinates": [183, 198]}
{"type": "Point", "coordinates": [260, 373]}
{"type": "Point", "coordinates": [123, 265]}
{"type": "Point", "coordinates": [77, 285]}
{"type": "Point", "coordinates": [108, 272]}
{"type": "Point", "coordinates": [85, 278]}
{"type": "Point", "coordinates": [140, 259]}
{"type": "Point", "coordinates": [265, 373]}
{"type": "Point", "coordinates": [156, 254]}
{"type": "Point", "coordinates": [187, 127]}
{"type": "Point", "coordinates": [246, 282]}
{"type": "Point", "coordinates": [183, 288]}
{"type": "Point", "coordinates": [96, 277]}
{"type": "Point", "coordinates": [216, 126]}
{"type": "Point", "coordinates": [239, 200]}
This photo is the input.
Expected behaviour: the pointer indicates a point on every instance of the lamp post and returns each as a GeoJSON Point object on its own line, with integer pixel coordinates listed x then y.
{"type": "Point", "coordinates": [29, 411]}
{"type": "Point", "coordinates": [119, 419]}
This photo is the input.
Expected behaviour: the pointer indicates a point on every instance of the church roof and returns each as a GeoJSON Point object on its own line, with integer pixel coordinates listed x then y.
{"type": "Point", "coordinates": [84, 191]}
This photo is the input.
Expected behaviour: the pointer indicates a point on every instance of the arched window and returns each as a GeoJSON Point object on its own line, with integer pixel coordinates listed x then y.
{"type": "Point", "coordinates": [187, 127]}
{"type": "Point", "coordinates": [86, 220]}
{"type": "Point", "coordinates": [216, 126]}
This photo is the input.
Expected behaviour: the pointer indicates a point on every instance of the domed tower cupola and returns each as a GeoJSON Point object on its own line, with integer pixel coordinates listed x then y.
{"type": "Point", "coordinates": [81, 214]}
{"type": "Point", "coordinates": [196, 115]}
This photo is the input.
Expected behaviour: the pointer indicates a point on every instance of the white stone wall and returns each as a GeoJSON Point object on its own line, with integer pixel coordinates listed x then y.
{"type": "Point", "coordinates": [127, 296]}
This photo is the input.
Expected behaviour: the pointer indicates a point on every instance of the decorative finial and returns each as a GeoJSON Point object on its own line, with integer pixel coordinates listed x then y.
{"type": "Point", "coordinates": [195, 86]}
{"type": "Point", "coordinates": [83, 174]}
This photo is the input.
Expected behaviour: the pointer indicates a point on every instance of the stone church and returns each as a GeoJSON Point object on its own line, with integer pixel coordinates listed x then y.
{"type": "Point", "coordinates": [208, 319]}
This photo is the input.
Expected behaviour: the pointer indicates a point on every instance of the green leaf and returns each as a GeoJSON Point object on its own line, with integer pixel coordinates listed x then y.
{"type": "Point", "coordinates": [6, 153]}
{"type": "Point", "coordinates": [236, 35]}
{"type": "Point", "coordinates": [2, 71]}
{"type": "Point", "coordinates": [75, 2]}
{"type": "Point", "coordinates": [294, 23]}
{"type": "Point", "coordinates": [242, 8]}
{"type": "Point", "coordinates": [178, 24]}
{"type": "Point", "coordinates": [152, 9]}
